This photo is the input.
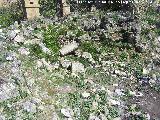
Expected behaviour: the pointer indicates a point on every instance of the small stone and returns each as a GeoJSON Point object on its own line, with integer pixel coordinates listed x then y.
{"type": "Point", "coordinates": [152, 82]}
{"type": "Point", "coordinates": [68, 48]}
{"type": "Point", "coordinates": [17, 31]}
{"type": "Point", "coordinates": [78, 53]}
{"type": "Point", "coordinates": [69, 118]}
{"type": "Point", "coordinates": [117, 118]}
{"type": "Point", "coordinates": [56, 65]}
{"type": "Point", "coordinates": [2, 117]}
{"type": "Point", "coordinates": [139, 94]}
{"type": "Point", "coordinates": [93, 118]}
{"type": "Point", "coordinates": [159, 38]}
{"type": "Point", "coordinates": [109, 92]}
{"type": "Point", "coordinates": [115, 85]}
{"type": "Point", "coordinates": [94, 105]}
{"type": "Point", "coordinates": [10, 58]}
{"type": "Point", "coordinates": [86, 55]}
{"type": "Point", "coordinates": [39, 64]}
{"type": "Point", "coordinates": [12, 34]}
{"type": "Point", "coordinates": [55, 116]}
{"type": "Point", "coordinates": [119, 92]}
{"type": "Point", "coordinates": [66, 63]}
{"type": "Point", "coordinates": [148, 117]}
{"type": "Point", "coordinates": [145, 71]}
{"type": "Point", "coordinates": [29, 107]}
{"type": "Point", "coordinates": [154, 77]}
{"type": "Point", "coordinates": [114, 102]}
{"type": "Point", "coordinates": [85, 94]}
{"type": "Point", "coordinates": [24, 51]}
{"type": "Point", "coordinates": [44, 48]}
{"type": "Point", "coordinates": [120, 73]}
{"type": "Point", "coordinates": [67, 112]}
{"type": "Point", "coordinates": [104, 116]}
{"type": "Point", "coordinates": [77, 67]}
{"type": "Point", "coordinates": [133, 93]}
{"type": "Point", "coordinates": [19, 38]}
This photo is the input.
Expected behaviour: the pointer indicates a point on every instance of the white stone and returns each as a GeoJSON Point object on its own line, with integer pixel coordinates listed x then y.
{"type": "Point", "coordinates": [152, 82]}
{"type": "Point", "coordinates": [44, 48]}
{"type": "Point", "coordinates": [118, 72]}
{"type": "Point", "coordinates": [12, 34]}
{"type": "Point", "coordinates": [67, 112]}
{"type": "Point", "coordinates": [148, 117]}
{"type": "Point", "coordinates": [69, 118]}
{"type": "Point", "coordinates": [119, 92]}
{"type": "Point", "coordinates": [39, 64]}
{"type": "Point", "coordinates": [114, 102]}
{"type": "Point", "coordinates": [85, 94]}
{"type": "Point", "coordinates": [154, 76]}
{"type": "Point", "coordinates": [93, 118]}
{"type": "Point", "coordinates": [121, 73]}
{"type": "Point", "coordinates": [159, 38]}
{"type": "Point", "coordinates": [145, 71]}
{"type": "Point", "coordinates": [115, 85]}
{"type": "Point", "coordinates": [23, 51]}
{"type": "Point", "coordinates": [17, 31]}
{"type": "Point", "coordinates": [55, 116]}
{"type": "Point", "coordinates": [2, 117]}
{"type": "Point", "coordinates": [66, 63]}
{"type": "Point", "coordinates": [139, 94]}
{"type": "Point", "coordinates": [45, 62]}
{"type": "Point", "coordinates": [86, 55]}
{"type": "Point", "coordinates": [77, 67]}
{"type": "Point", "coordinates": [68, 48]}
{"type": "Point", "coordinates": [56, 65]}
{"type": "Point", "coordinates": [29, 107]}
{"type": "Point", "coordinates": [132, 93]}
{"type": "Point", "coordinates": [19, 38]}
{"type": "Point", "coordinates": [117, 118]}
{"type": "Point", "coordinates": [9, 58]}
{"type": "Point", "coordinates": [109, 92]}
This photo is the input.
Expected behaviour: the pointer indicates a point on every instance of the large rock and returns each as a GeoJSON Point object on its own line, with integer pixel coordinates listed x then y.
{"type": "Point", "coordinates": [68, 48]}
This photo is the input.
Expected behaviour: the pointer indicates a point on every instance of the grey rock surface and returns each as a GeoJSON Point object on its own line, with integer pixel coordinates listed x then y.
{"type": "Point", "coordinates": [7, 91]}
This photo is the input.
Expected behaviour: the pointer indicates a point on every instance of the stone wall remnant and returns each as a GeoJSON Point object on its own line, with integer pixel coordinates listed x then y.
{"type": "Point", "coordinates": [31, 9]}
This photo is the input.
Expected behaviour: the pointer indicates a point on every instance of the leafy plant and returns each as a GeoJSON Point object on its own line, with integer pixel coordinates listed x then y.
{"type": "Point", "coordinates": [10, 14]}
{"type": "Point", "coordinates": [90, 47]}
{"type": "Point", "coordinates": [47, 7]}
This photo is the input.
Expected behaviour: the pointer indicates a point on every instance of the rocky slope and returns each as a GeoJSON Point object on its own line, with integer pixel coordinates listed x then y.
{"type": "Point", "coordinates": [88, 67]}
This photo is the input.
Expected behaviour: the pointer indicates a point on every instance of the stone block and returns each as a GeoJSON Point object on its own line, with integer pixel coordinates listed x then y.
{"type": "Point", "coordinates": [31, 9]}
{"type": "Point", "coordinates": [32, 13]}
{"type": "Point", "coordinates": [66, 10]}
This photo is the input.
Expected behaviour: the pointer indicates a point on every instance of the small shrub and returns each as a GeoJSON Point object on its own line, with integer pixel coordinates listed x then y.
{"type": "Point", "coordinates": [10, 14]}
{"type": "Point", "coordinates": [47, 7]}
{"type": "Point", "coordinates": [91, 48]}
